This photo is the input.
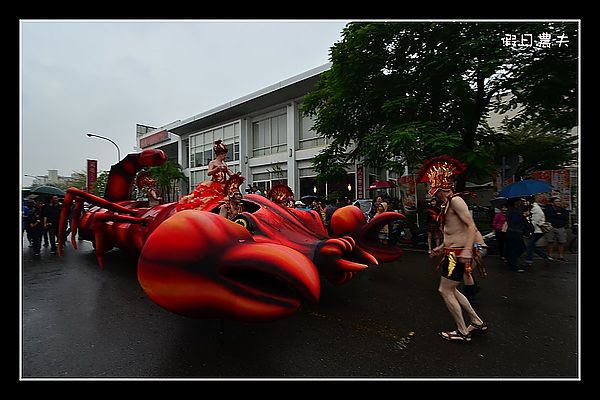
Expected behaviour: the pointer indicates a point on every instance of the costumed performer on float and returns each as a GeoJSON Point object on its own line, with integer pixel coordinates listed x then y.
{"type": "Point", "coordinates": [209, 193]}
{"type": "Point", "coordinates": [232, 204]}
{"type": "Point", "coordinates": [145, 180]}
{"type": "Point", "coordinates": [281, 194]}
{"type": "Point", "coordinates": [460, 233]}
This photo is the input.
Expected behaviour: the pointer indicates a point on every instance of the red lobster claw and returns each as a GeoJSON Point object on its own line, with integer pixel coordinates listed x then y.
{"type": "Point", "coordinates": [350, 220]}
{"type": "Point", "coordinates": [201, 265]}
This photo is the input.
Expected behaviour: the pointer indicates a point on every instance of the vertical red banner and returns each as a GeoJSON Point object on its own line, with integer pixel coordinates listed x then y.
{"type": "Point", "coordinates": [92, 174]}
{"type": "Point", "coordinates": [561, 182]}
{"type": "Point", "coordinates": [408, 189]}
{"type": "Point", "coordinates": [360, 194]}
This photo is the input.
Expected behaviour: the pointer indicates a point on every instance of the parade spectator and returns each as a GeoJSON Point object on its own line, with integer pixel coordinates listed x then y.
{"type": "Point", "coordinates": [434, 234]}
{"type": "Point", "coordinates": [41, 205]}
{"type": "Point", "coordinates": [36, 229]}
{"type": "Point", "coordinates": [558, 217]}
{"type": "Point", "coordinates": [51, 217]}
{"type": "Point", "coordinates": [26, 209]}
{"type": "Point", "coordinates": [322, 210]}
{"type": "Point", "coordinates": [500, 226]}
{"type": "Point", "coordinates": [515, 246]}
{"type": "Point", "coordinates": [256, 190]}
{"type": "Point", "coordinates": [537, 218]}
{"type": "Point", "coordinates": [378, 200]}
{"type": "Point", "coordinates": [384, 233]}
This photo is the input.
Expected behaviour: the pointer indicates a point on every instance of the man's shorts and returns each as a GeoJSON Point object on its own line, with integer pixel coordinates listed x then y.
{"type": "Point", "coordinates": [451, 268]}
{"type": "Point", "coordinates": [556, 235]}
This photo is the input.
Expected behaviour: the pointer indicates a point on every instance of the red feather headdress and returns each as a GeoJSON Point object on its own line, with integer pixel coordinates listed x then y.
{"type": "Point", "coordinates": [279, 193]}
{"type": "Point", "coordinates": [439, 172]}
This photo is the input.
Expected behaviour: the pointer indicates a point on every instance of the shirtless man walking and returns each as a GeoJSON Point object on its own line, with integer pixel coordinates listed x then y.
{"type": "Point", "coordinates": [457, 248]}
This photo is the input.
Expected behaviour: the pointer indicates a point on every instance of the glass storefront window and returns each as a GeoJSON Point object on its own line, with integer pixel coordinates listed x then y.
{"type": "Point", "coordinates": [269, 136]}
{"type": "Point", "coordinates": [200, 150]}
{"type": "Point", "coordinates": [308, 138]}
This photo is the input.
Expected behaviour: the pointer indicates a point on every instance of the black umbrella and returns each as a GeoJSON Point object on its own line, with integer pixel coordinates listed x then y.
{"type": "Point", "coordinates": [309, 198]}
{"type": "Point", "coordinates": [498, 201]}
{"type": "Point", "coordinates": [48, 190]}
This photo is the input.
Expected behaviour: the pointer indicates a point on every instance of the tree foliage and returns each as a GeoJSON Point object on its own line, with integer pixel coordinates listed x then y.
{"type": "Point", "coordinates": [398, 93]}
{"type": "Point", "coordinates": [167, 178]}
{"type": "Point", "coordinates": [99, 187]}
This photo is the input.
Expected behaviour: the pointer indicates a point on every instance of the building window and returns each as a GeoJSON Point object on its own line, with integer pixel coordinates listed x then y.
{"type": "Point", "coordinates": [269, 136]}
{"type": "Point", "coordinates": [308, 138]}
{"type": "Point", "coordinates": [266, 180]}
{"type": "Point", "coordinates": [201, 150]}
{"type": "Point", "coordinates": [141, 130]}
{"type": "Point", "coordinates": [344, 188]}
{"type": "Point", "coordinates": [185, 158]}
{"type": "Point", "coordinates": [201, 144]}
{"type": "Point", "coordinates": [200, 175]}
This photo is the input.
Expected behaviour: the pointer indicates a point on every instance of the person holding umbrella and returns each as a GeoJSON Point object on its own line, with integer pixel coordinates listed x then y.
{"type": "Point", "coordinates": [515, 245]}
{"type": "Point", "coordinates": [51, 217]}
{"type": "Point", "coordinates": [36, 229]}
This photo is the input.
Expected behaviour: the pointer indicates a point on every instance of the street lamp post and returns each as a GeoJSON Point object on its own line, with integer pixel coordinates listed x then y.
{"type": "Point", "coordinates": [36, 177]}
{"type": "Point", "coordinates": [105, 138]}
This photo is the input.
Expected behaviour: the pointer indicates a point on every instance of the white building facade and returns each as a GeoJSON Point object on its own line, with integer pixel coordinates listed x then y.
{"type": "Point", "coordinates": [269, 142]}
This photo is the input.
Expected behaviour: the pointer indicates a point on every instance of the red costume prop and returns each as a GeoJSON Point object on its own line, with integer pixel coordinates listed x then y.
{"type": "Point", "coordinates": [194, 262]}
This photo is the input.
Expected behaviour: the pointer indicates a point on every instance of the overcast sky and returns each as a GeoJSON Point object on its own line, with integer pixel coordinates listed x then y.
{"type": "Point", "coordinates": [105, 76]}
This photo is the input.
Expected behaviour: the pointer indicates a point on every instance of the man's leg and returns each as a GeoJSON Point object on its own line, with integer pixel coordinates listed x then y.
{"type": "Point", "coordinates": [464, 303]}
{"type": "Point", "coordinates": [536, 237]}
{"type": "Point", "coordinates": [530, 248]}
{"type": "Point", "coordinates": [52, 235]}
{"type": "Point", "coordinates": [447, 290]}
{"type": "Point", "coordinates": [470, 288]}
{"type": "Point", "coordinates": [561, 240]}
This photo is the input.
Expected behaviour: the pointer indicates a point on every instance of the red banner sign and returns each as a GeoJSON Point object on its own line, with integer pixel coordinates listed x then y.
{"type": "Point", "coordinates": [92, 174]}
{"type": "Point", "coordinates": [154, 138]}
{"type": "Point", "coordinates": [408, 188]}
{"type": "Point", "coordinates": [360, 193]}
{"type": "Point", "coordinates": [560, 180]}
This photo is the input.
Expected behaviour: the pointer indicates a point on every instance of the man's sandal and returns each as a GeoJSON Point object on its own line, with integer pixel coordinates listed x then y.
{"type": "Point", "coordinates": [475, 329]}
{"type": "Point", "coordinates": [456, 336]}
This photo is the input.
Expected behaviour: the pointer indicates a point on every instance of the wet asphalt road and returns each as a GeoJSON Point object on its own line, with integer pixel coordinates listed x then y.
{"type": "Point", "coordinates": [81, 322]}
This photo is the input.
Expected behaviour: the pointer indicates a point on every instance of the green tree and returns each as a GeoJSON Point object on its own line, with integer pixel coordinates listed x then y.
{"type": "Point", "coordinates": [398, 93]}
{"type": "Point", "coordinates": [528, 142]}
{"type": "Point", "coordinates": [168, 177]}
{"type": "Point", "coordinates": [99, 186]}
{"type": "Point", "coordinates": [77, 180]}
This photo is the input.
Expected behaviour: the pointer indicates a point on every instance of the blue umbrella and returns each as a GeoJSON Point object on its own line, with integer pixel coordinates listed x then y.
{"type": "Point", "coordinates": [525, 188]}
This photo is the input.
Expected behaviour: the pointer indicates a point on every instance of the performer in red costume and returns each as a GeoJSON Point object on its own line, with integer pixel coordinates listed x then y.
{"type": "Point", "coordinates": [210, 193]}
{"type": "Point", "coordinates": [460, 233]}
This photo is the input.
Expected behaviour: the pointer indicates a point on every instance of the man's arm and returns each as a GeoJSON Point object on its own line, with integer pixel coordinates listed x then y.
{"type": "Point", "coordinates": [462, 211]}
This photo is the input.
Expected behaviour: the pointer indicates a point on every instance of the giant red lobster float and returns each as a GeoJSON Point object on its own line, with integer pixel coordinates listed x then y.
{"type": "Point", "coordinates": [257, 267]}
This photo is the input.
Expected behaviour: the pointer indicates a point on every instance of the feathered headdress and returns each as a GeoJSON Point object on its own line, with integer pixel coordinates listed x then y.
{"type": "Point", "coordinates": [220, 147]}
{"type": "Point", "coordinates": [279, 193]}
{"type": "Point", "coordinates": [439, 172]}
{"type": "Point", "coordinates": [144, 178]}
{"type": "Point", "coordinates": [233, 184]}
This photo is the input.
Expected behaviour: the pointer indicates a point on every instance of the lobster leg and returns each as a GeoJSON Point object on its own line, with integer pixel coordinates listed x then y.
{"type": "Point", "coordinates": [102, 237]}
{"type": "Point", "coordinates": [75, 220]}
{"type": "Point", "coordinates": [78, 195]}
